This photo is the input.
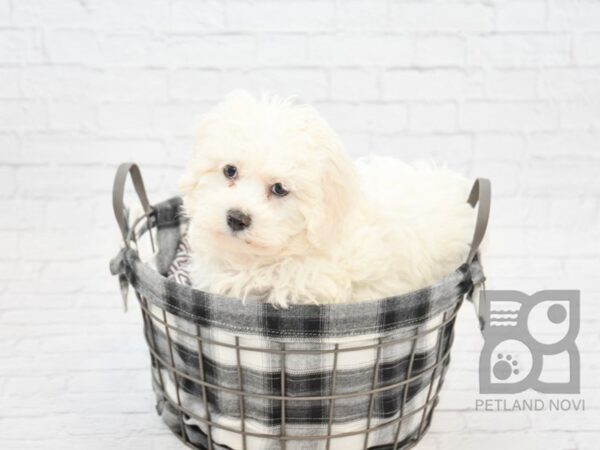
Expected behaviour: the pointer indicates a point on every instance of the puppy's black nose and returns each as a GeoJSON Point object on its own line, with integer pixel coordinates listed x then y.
{"type": "Point", "coordinates": [237, 220]}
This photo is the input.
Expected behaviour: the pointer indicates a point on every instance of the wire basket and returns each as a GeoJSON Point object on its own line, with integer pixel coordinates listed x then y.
{"type": "Point", "coordinates": [244, 375]}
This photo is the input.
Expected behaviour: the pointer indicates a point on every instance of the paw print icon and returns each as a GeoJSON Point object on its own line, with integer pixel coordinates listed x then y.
{"type": "Point", "coordinates": [505, 367]}
{"type": "Point", "coordinates": [529, 342]}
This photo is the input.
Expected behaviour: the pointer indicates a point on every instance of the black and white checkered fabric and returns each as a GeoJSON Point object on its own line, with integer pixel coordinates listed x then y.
{"type": "Point", "coordinates": [379, 345]}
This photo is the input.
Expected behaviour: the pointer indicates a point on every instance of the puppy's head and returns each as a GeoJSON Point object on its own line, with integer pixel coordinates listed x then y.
{"type": "Point", "coordinates": [266, 177]}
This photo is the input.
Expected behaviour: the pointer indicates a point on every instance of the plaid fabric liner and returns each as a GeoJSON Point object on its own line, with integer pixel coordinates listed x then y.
{"type": "Point", "coordinates": [242, 346]}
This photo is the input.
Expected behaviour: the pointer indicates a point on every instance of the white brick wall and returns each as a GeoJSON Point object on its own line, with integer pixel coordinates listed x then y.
{"type": "Point", "coordinates": [505, 89]}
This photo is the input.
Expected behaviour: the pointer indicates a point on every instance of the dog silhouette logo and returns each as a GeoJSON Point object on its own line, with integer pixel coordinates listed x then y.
{"type": "Point", "coordinates": [529, 342]}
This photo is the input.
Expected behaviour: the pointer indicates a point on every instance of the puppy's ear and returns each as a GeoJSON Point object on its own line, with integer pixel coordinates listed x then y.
{"type": "Point", "coordinates": [339, 188]}
{"type": "Point", "coordinates": [187, 186]}
{"type": "Point", "coordinates": [200, 161]}
{"type": "Point", "coordinates": [198, 166]}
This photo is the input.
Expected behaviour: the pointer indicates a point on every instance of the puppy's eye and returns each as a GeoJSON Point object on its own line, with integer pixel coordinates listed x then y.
{"type": "Point", "coordinates": [230, 172]}
{"type": "Point", "coordinates": [278, 190]}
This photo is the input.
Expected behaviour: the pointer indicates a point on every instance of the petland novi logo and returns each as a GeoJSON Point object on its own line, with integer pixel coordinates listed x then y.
{"type": "Point", "coordinates": [530, 342]}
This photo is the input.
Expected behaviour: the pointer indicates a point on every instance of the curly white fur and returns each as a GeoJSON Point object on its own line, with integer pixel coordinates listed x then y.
{"type": "Point", "coordinates": [345, 232]}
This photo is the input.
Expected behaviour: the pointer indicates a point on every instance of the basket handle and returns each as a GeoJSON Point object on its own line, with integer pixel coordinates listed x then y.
{"type": "Point", "coordinates": [119, 192]}
{"type": "Point", "coordinates": [481, 193]}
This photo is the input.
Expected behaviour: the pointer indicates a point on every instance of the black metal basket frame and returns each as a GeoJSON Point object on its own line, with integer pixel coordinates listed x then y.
{"type": "Point", "coordinates": [144, 225]}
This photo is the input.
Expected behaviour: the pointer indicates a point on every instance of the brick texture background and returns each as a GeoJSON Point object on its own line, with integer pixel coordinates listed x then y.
{"type": "Point", "coordinates": [504, 89]}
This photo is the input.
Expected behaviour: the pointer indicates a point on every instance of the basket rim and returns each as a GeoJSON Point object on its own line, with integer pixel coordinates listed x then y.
{"type": "Point", "coordinates": [461, 274]}
{"type": "Point", "coordinates": [297, 321]}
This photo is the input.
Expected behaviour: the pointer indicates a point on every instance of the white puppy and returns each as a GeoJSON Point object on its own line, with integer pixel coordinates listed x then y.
{"type": "Point", "coordinates": [279, 212]}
